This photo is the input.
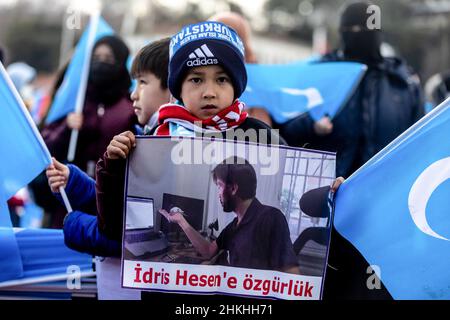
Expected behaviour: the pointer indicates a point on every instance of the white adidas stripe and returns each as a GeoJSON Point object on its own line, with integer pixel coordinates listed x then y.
{"type": "Point", "coordinates": [201, 52]}
{"type": "Point", "coordinates": [207, 51]}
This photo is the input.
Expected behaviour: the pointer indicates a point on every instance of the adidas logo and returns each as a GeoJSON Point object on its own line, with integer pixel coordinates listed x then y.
{"type": "Point", "coordinates": [201, 57]}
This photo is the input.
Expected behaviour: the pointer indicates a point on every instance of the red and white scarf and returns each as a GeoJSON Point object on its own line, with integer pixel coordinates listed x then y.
{"type": "Point", "coordinates": [229, 118]}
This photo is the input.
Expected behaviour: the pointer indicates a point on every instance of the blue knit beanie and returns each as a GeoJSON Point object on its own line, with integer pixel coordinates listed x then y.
{"type": "Point", "coordinates": [203, 44]}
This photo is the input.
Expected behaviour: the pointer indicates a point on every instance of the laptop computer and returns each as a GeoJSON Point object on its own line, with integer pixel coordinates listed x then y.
{"type": "Point", "coordinates": [140, 237]}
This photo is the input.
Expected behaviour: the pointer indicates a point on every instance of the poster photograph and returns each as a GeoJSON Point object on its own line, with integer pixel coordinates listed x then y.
{"type": "Point", "coordinates": [207, 216]}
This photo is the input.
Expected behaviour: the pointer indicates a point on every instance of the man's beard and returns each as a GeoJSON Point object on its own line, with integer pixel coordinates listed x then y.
{"type": "Point", "coordinates": [229, 202]}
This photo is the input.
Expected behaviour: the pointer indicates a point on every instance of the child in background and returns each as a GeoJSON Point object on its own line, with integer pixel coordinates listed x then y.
{"type": "Point", "coordinates": [80, 228]}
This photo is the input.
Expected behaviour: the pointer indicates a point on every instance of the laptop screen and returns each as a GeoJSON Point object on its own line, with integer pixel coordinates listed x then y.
{"type": "Point", "coordinates": [139, 213]}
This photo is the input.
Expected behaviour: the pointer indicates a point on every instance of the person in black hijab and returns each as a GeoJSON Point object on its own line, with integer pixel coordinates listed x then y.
{"type": "Point", "coordinates": [388, 100]}
{"type": "Point", "coordinates": [109, 79]}
{"type": "Point", "coordinates": [359, 43]}
{"type": "Point", "coordinates": [107, 111]}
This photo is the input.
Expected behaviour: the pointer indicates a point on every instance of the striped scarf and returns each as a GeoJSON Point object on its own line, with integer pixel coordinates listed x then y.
{"type": "Point", "coordinates": [229, 118]}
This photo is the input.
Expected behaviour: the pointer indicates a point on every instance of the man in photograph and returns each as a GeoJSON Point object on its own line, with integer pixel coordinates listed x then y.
{"type": "Point", "coordinates": [257, 238]}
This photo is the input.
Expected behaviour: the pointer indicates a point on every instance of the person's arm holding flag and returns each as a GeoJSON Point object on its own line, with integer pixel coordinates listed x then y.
{"type": "Point", "coordinates": [81, 230]}
{"type": "Point", "coordinates": [79, 186]}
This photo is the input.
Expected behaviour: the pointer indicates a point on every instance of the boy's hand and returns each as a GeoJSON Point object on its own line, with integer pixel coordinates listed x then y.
{"type": "Point", "coordinates": [323, 127]}
{"type": "Point", "coordinates": [121, 145]}
{"type": "Point", "coordinates": [57, 175]}
{"type": "Point", "coordinates": [75, 120]}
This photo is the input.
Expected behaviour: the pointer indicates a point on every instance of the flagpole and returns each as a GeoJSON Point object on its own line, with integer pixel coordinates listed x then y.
{"type": "Point", "coordinates": [32, 126]}
{"type": "Point", "coordinates": [95, 16]}
{"type": "Point", "coordinates": [66, 201]}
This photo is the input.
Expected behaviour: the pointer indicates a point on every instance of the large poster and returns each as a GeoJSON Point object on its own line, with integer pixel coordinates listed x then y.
{"type": "Point", "coordinates": [216, 216]}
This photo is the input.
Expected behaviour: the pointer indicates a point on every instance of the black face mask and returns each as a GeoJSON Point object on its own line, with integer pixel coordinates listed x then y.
{"type": "Point", "coordinates": [362, 46]}
{"type": "Point", "coordinates": [102, 74]}
{"type": "Point", "coordinates": [104, 82]}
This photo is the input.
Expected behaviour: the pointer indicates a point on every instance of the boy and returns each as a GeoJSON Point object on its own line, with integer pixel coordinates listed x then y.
{"type": "Point", "coordinates": [207, 75]}
{"type": "Point", "coordinates": [80, 229]}
{"type": "Point", "coordinates": [149, 69]}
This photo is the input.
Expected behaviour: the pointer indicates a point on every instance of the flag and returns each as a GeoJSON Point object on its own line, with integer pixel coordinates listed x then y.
{"type": "Point", "coordinates": [395, 210]}
{"type": "Point", "coordinates": [44, 252]}
{"type": "Point", "coordinates": [10, 261]}
{"type": "Point", "coordinates": [66, 96]}
{"type": "Point", "coordinates": [43, 255]}
{"type": "Point", "coordinates": [24, 156]}
{"type": "Point", "coordinates": [289, 90]}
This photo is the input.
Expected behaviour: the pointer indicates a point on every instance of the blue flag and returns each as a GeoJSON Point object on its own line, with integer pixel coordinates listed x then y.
{"type": "Point", "coordinates": [23, 157]}
{"type": "Point", "coordinates": [44, 252]}
{"type": "Point", "coordinates": [10, 261]}
{"type": "Point", "coordinates": [66, 96]}
{"type": "Point", "coordinates": [24, 154]}
{"type": "Point", "coordinates": [289, 90]}
{"type": "Point", "coordinates": [395, 210]}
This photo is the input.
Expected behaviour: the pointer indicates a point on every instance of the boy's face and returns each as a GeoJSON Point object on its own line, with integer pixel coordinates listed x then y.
{"type": "Point", "coordinates": [206, 91]}
{"type": "Point", "coordinates": [148, 96]}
